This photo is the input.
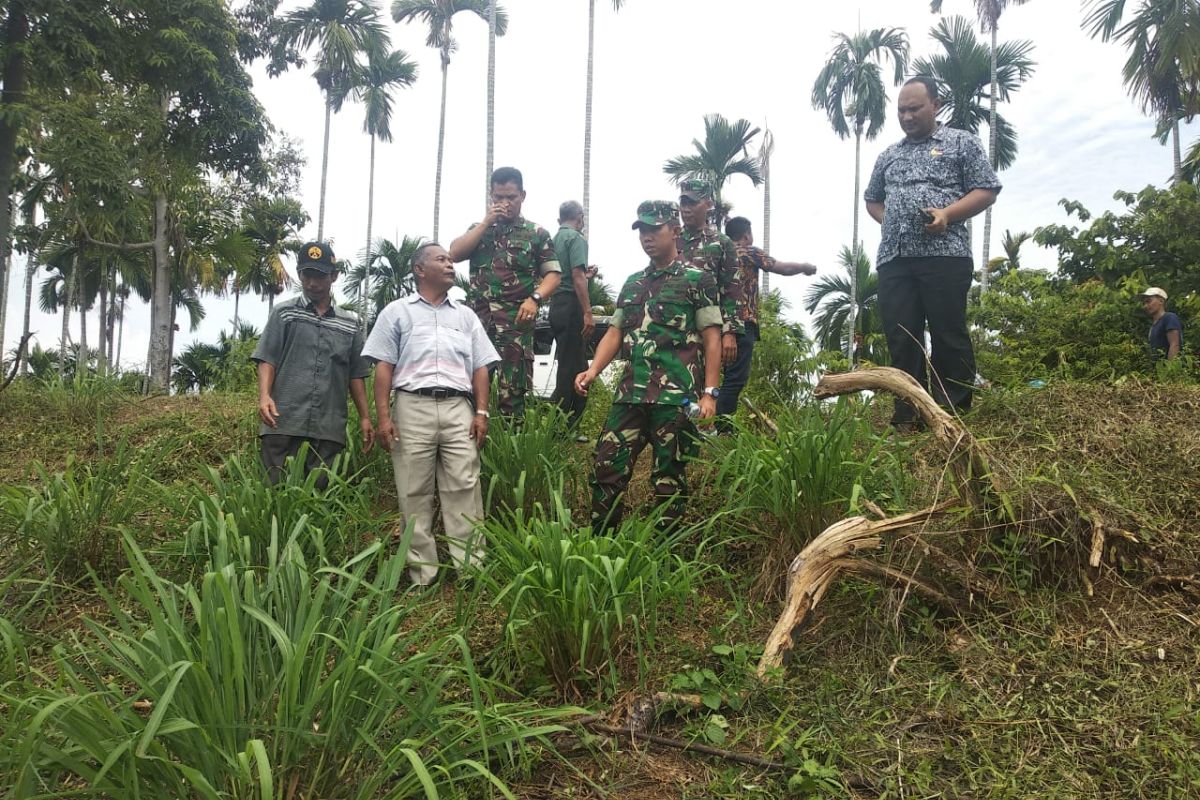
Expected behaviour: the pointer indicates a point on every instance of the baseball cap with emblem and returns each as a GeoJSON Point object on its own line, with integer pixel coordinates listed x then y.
{"type": "Point", "coordinates": [696, 189]}
{"type": "Point", "coordinates": [655, 213]}
{"type": "Point", "coordinates": [1154, 291]}
{"type": "Point", "coordinates": [318, 256]}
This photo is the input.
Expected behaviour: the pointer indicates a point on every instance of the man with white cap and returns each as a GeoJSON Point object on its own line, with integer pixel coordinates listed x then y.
{"type": "Point", "coordinates": [1166, 332]}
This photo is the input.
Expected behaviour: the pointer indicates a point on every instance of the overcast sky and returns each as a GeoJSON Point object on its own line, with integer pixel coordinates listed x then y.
{"type": "Point", "coordinates": [660, 66]}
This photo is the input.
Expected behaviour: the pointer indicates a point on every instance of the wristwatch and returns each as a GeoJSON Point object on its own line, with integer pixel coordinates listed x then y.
{"type": "Point", "coordinates": [712, 391]}
{"type": "Point", "coordinates": [536, 297]}
{"type": "Point", "coordinates": [482, 412]}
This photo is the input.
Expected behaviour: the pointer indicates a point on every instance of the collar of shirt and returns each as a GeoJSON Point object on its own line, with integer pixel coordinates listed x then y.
{"type": "Point", "coordinates": [505, 227]}
{"type": "Point", "coordinates": [416, 297]}
{"type": "Point", "coordinates": [673, 268]}
{"type": "Point", "coordinates": [936, 136]}
{"type": "Point", "coordinates": [303, 302]}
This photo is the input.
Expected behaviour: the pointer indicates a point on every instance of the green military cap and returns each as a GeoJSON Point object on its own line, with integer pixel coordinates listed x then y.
{"type": "Point", "coordinates": [656, 212]}
{"type": "Point", "coordinates": [696, 189]}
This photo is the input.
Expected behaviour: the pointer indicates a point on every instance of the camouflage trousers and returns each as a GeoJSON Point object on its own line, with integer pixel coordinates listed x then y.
{"type": "Point", "coordinates": [514, 343]}
{"type": "Point", "coordinates": [673, 439]}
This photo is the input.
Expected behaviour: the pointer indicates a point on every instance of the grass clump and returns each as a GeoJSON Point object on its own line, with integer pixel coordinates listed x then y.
{"type": "Point", "coordinates": [577, 600]}
{"type": "Point", "coordinates": [523, 464]}
{"type": "Point", "coordinates": [789, 486]}
{"type": "Point", "coordinates": [286, 680]}
{"type": "Point", "coordinates": [72, 520]}
{"type": "Point", "coordinates": [336, 519]}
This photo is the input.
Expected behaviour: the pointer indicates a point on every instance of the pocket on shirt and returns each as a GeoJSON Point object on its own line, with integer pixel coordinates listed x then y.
{"type": "Point", "coordinates": [670, 315]}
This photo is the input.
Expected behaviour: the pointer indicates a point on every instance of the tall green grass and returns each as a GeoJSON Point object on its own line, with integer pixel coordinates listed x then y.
{"type": "Point", "coordinates": [788, 487]}
{"type": "Point", "coordinates": [81, 400]}
{"type": "Point", "coordinates": [280, 680]}
{"type": "Point", "coordinates": [72, 520]}
{"type": "Point", "coordinates": [338, 518]}
{"type": "Point", "coordinates": [524, 464]}
{"type": "Point", "coordinates": [577, 601]}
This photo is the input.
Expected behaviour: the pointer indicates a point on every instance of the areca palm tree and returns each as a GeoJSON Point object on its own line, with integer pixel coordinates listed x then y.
{"type": "Point", "coordinates": [989, 12]}
{"type": "Point", "coordinates": [765, 149]}
{"type": "Point", "coordinates": [438, 15]}
{"type": "Point", "coordinates": [587, 116]}
{"type": "Point", "coordinates": [725, 152]}
{"type": "Point", "coordinates": [272, 226]}
{"type": "Point", "coordinates": [387, 276]}
{"type": "Point", "coordinates": [851, 92]}
{"type": "Point", "coordinates": [340, 30]}
{"type": "Point", "coordinates": [1162, 71]}
{"type": "Point", "coordinates": [828, 300]}
{"type": "Point", "coordinates": [373, 86]}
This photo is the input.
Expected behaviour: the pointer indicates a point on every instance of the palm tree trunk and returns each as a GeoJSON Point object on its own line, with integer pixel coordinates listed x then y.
{"type": "Point", "coordinates": [766, 173]}
{"type": "Point", "coordinates": [102, 316]}
{"type": "Point", "coordinates": [81, 358]}
{"type": "Point", "coordinates": [437, 181]}
{"type": "Point", "coordinates": [324, 173]}
{"type": "Point", "coordinates": [6, 278]}
{"type": "Point", "coordinates": [158, 361]}
{"type": "Point", "coordinates": [14, 78]}
{"type": "Point", "coordinates": [491, 101]}
{"type": "Point", "coordinates": [852, 312]}
{"type": "Point", "coordinates": [587, 118]}
{"type": "Point", "coordinates": [237, 301]}
{"type": "Point", "coordinates": [992, 139]}
{"type": "Point", "coordinates": [362, 288]}
{"type": "Point", "coordinates": [30, 272]}
{"type": "Point", "coordinates": [66, 332]}
{"type": "Point", "coordinates": [120, 332]}
{"type": "Point", "coordinates": [1178, 160]}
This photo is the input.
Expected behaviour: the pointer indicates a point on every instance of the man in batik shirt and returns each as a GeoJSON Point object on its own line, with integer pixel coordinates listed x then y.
{"type": "Point", "coordinates": [666, 325]}
{"type": "Point", "coordinates": [513, 272]}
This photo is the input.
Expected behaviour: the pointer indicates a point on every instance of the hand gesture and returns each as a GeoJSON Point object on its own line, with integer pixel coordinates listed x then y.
{"type": "Point", "coordinates": [583, 380]}
{"type": "Point", "coordinates": [708, 407]}
{"type": "Point", "coordinates": [940, 221]}
{"type": "Point", "coordinates": [267, 412]}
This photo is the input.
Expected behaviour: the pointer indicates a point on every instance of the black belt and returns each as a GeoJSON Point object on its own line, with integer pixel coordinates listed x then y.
{"type": "Point", "coordinates": [438, 393]}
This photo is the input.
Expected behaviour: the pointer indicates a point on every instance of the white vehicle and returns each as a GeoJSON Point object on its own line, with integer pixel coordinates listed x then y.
{"type": "Point", "coordinates": [545, 365]}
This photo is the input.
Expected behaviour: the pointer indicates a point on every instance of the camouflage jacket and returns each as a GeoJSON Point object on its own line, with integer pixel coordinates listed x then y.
{"type": "Point", "coordinates": [660, 314]}
{"type": "Point", "coordinates": [711, 250]}
{"type": "Point", "coordinates": [510, 261]}
{"type": "Point", "coordinates": [749, 266]}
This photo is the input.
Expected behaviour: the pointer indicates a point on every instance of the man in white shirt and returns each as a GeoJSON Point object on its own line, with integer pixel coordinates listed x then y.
{"type": "Point", "coordinates": [433, 354]}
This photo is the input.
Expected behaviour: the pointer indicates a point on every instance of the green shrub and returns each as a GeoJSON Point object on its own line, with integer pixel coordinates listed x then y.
{"type": "Point", "coordinates": [788, 487]}
{"type": "Point", "coordinates": [282, 680]}
{"type": "Point", "coordinates": [523, 464]}
{"type": "Point", "coordinates": [337, 518]}
{"type": "Point", "coordinates": [80, 400]}
{"type": "Point", "coordinates": [72, 520]}
{"type": "Point", "coordinates": [575, 600]}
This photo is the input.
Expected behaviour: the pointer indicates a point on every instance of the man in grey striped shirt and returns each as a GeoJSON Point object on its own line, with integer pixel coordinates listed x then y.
{"type": "Point", "coordinates": [433, 354]}
{"type": "Point", "coordinates": [309, 355]}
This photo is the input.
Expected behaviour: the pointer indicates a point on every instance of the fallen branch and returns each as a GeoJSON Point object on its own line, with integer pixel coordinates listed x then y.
{"type": "Point", "coordinates": [596, 725]}
{"type": "Point", "coordinates": [818, 564]}
{"type": "Point", "coordinates": [965, 458]}
{"type": "Point", "coordinates": [761, 415]}
{"type": "Point", "coordinates": [864, 566]}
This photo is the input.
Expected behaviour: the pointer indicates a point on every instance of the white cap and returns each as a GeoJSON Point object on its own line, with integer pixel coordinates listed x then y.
{"type": "Point", "coordinates": [1154, 291]}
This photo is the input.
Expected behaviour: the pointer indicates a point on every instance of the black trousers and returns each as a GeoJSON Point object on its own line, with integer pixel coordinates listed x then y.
{"type": "Point", "coordinates": [278, 448]}
{"type": "Point", "coordinates": [918, 292]}
{"type": "Point", "coordinates": [566, 323]}
{"type": "Point", "coordinates": [735, 376]}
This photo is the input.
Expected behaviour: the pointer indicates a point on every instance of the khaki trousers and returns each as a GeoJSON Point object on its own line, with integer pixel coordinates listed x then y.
{"type": "Point", "coordinates": [435, 450]}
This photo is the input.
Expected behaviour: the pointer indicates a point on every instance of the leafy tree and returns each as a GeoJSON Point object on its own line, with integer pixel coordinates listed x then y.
{"type": "Point", "coordinates": [851, 92]}
{"type": "Point", "coordinates": [725, 152]}
{"type": "Point", "coordinates": [989, 12]}
{"type": "Point", "coordinates": [1155, 240]}
{"type": "Point", "coordinates": [828, 300]}
{"type": "Point", "coordinates": [1011, 260]}
{"type": "Point", "coordinates": [1038, 325]}
{"type": "Point", "coordinates": [272, 225]}
{"type": "Point", "coordinates": [587, 116]}
{"type": "Point", "coordinates": [339, 30]}
{"type": "Point", "coordinates": [1163, 68]}
{"type": "Point", "coordinates": [782, 366]}
{"type": "Point", "coordinates": [438, 15]}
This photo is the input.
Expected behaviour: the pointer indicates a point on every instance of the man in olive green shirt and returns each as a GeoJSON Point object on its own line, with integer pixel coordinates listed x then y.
{"type": "Point", "coordinates": [571, 312]}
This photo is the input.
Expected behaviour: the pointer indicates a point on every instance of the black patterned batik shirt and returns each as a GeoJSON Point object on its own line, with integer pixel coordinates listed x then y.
{"type": "Point", "coordinates": [932, 173]}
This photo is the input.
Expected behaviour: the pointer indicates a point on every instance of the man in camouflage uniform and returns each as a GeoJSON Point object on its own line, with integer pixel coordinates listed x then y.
{"type": "Point", "coordinates": [513, 271]}
{"type": "Point", "coordinates": [702, 246]}
{"type": "Point", "coordinates": [665, 315]}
